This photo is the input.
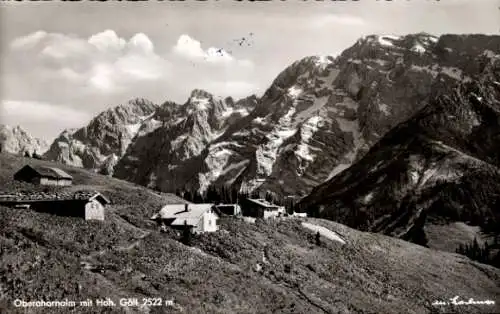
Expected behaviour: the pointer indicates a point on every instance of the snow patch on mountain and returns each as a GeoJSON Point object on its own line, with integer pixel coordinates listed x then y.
{"type": "Point", "coordinates": [384, 109]}
{"type": "Point", "coordinates": [242, 133]}
{"type": "Point", "coordinates": [177, 142]}
{"type": "Point", "coordinates": [418, 48]}
{"type": "Point", "coordinates": [323, 61]}
{"type": "Point", "coordinates": [199, 103]}
{"type": "Point", "coordinates": [368, 197]}
{"type": "Point", "coordinates": [432, 71]}
{"type": "Point", "coordinates": [420, 175]}
{"type": "Point", "coordinates": [259, 120]}
{"type": "Point", "coordinates": [294, 91]}
{"type": "Point", "coordinates": [307, 131]}
{"type": "Point", "coordinates": [215, 161]}
{"type": "Point", "coordinates": [386, 40]}
{"type": "Point", "coordinates": [133, 129]}
{"type": "Point", "coordinates": [266, 154]}
{"type": "Point", "coordinates": [432, 38]}
{"type": "Point", "coordinates": [230, 111]}
{"type": "Point", "coordinates": [413, 176]}
{"type": "Point", "coordinates": [380, 62]}
{"type": "Point", "coordinates": [153, 125]}
{"type": "Point", "coordinates": [325, 232]}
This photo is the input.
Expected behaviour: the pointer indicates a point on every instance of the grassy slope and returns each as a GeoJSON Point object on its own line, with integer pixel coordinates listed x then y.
{"type": "Point", "coordinates": [448, 237]}
{"type": "Point", "coordinates": [126, 256]}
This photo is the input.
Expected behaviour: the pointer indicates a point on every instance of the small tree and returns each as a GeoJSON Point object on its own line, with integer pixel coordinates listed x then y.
{"type": "Point", "coordinates": [255, 194]}
{"type": "Point", "coordinates": [187, 236]}
{"type": "Point", "coordinates": [318, 239]}
{"type": "Point", "coordinates": [27, 154]}
{"type": "Point", "coordinates": [188, 196]}
{"type": "Point", "coordinates": [198, 198]}
{"type": "Point", "coordinates": [269, 197]}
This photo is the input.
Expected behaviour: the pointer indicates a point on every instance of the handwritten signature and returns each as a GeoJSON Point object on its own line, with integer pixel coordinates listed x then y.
{"type": "Point", "coordinates": [457, 301]}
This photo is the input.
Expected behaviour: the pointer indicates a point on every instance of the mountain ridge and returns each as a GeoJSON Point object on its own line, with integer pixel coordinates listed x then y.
{"type": "Point", "coordinates": [348, 102]}
{"type": "Point", "coordinates": [318, 116]}
{"type": "Point", "coordinates": [16, 140]}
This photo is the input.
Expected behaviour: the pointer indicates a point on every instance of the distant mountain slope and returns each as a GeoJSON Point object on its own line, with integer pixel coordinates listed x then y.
{"type": "Point", "coordinates": [105, 139]}
{"type": "Point", "coordinates": [318, 116]}
{"type": "Point", "coordinates": [441, 166]}
{"type": "Point", "coordinates": [266, 267]}
{"type": "Point", "coordinates": [164, 157]}
{"type": "Point", "coordinates": [15, 140]}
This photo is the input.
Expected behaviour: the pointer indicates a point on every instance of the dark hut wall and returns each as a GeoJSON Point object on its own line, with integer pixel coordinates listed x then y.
{"type": "Point", "coordinates": [69, 208]}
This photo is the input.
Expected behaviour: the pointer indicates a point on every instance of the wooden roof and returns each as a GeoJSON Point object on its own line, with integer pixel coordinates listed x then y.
{"type": "Point", "coordinates": [49, 172]}
{"type": "Point", "coordinates": [55, 196]}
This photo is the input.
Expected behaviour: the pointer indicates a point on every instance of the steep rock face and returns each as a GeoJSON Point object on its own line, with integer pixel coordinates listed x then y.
{"type": "Point", "coordinates": [441, 165]}
{"type": "Point", "coordinates": [322, 114]}
{"type": "Point", "coordinates": [15, 140]}
{"type": "Point", "coordinates": [167, 156]}
{"type": "Point", "coordinates": [105, 138]}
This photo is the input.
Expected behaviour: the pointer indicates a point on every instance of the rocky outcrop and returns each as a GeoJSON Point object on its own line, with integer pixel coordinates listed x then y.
{"type": "Point", "coordinates": [168, 156]}
{"type": "Point", "coordinates": [105, 138]}
{"type": "Point", "coordinates": [16, 140]}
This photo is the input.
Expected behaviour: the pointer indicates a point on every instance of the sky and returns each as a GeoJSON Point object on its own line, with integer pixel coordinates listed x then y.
{"type": "Point", "coordinates": [61, 63]}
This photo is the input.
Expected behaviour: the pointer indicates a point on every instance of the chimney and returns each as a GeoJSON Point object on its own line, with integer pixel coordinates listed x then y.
{"type": "Point", "coordinates": [186, 207]}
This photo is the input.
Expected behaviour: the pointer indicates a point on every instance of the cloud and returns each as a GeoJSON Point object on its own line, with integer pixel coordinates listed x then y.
{"type": "Point", "coordinates": [86, 75]}
{"type": "Point", "coordinates": [28, 41]}
{"type": "Point", "coordinates": [107, 41]}
{"type": "Point", "coordinates": [18, 112]}
{"type": "Point", "coordinates": [190, 48]}
{"type": "Point", "coordinates": [140, 43]}
{"type": "Point", "coordinates": [331, 20]}
{"type": "Point", "coordinates": [104, 61]}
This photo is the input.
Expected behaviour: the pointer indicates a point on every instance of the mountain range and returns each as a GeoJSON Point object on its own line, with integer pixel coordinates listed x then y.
{"type": "Point", "coordinates": [319, 116]}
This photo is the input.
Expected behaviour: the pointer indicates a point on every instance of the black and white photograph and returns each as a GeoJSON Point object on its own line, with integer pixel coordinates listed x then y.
{"type": "Point", "coordinates": [228, 156]}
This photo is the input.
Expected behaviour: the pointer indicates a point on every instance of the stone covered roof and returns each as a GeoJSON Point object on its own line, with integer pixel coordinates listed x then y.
{"type": "Point", "coordinates": [50, 172]}
{"type": "Point", "coordinates": [51, 196]}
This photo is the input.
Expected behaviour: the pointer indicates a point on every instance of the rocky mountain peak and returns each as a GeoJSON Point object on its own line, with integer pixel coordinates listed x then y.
{"type": "Point", "coordinates": [200, 93]}
{"type": "Point", "coordinates": [200, 101]}
{"type": "Point", "coordinates": [109, 133]}
{"type": "Point", "coordinates": [301, 70]}
{"type": "Point", "coordinates": [141, 102]}
{"type": "Point", "coordinates": [16, 140]}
